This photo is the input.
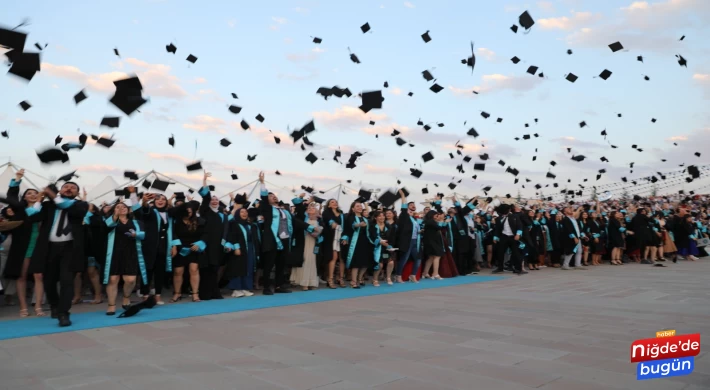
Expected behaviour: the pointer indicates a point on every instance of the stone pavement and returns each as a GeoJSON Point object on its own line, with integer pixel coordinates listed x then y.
{"type": "Point", "coordinates": [548, 330]}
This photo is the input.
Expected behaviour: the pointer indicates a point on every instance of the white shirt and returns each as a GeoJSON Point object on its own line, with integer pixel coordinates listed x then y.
{"type": "Point", "coordinates": [506, 226]}
{"type": "Point", "coordinates": [53, 233]}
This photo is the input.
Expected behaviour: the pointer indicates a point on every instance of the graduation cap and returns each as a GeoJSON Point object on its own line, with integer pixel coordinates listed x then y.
{"type": "Point", "coordinates": [67, 177]}
{"type": "Point", "coordinates": [426, 37]}
{"type": "Point", "coordinates": [427, 127]}
{"type": "Point", "coordinates": [436, 88]}
{"type": "Point", "coordinates": [470, 61]}
{"type": "Point", "coordinates": [682, 61]}
{"type": "Point", "coordinates": [512, 171]}
{"type": "Point", "coordinates": [106, 142]}
{"type": "Point", "coordinates": [604, 159]}
{"type": "Point", "coordinates": [224, 142]}
{"type": "Point", "coordinates": [146, 184]}
{"type": "Point", "coordinates": [526, 136]}
{"type": "Point", "coordinates": [525, 20]}
{"type": "Point", "coordinates": [235, 109]}
{"type": "Point", "coordinates": [171, 48]}
{"type": "Point", "coordinates": [5, 134]}
{"type": "Point", "coordinates": [693, 171]}
{"type": "Point", "coordinates": [51, 155]}
{"type": "Point", "coordinates": [317, 40]}
{"type": "Point", "coordinates": [514, 28]}
{"type": "Point", "coordinates": [485, 114]}
{"type": "Point", "coordinates": [130, 175]}
{"type": "Point", "coordinates": [127, 97]}
{"type": "Point", "coordinates": [571, 77]}
{"type": "Point", "coordinates": [353, 57]}
{"type": "Point", "coordinates": [483, 156]}
{"type": "Point", "coordinates": [244, 125]}
{"type": "Point", "coordinates": [171, 140]}
{"type": "Point", "coordinates": [467, 159]}
{"type": "Point", "coordinates": [550, 175]}
{"type": "Point", "coordinates": [80, 97]}
{"type": "Point", "coordinates": [697, 154]}
{"type": "Point", "coordinates": [616, 46]}
{"type": "Point", "coordinates": [639, 58]}
{"type": "Point", "coordinates": [137, 307]}
{"type": "Point", "coordinates": [653, 120]}
{"type": "Point", "coordinates": [191, 58]}
{"type": "Point", "coordinates": [83, 138]}
{"type": "Point", "coordinates": [515, 60]}
{"type": "Point", "coordinates": [605, 74]}
{"type": "Point", "coordinates": [110, 121]}
{"type": "Point", "coordinates": [452, 185]}
{"type": "Point", "coordinates": [25, 105]}
{"type": "Point", "coordinates": [427, 157]}
{"type": "Point", "coordinates": [578, 158]}
{"type": "Point", "coordinates": [371, 100]}
{"type": "Point", "coordinates": [365, 27]}
{"type": "Point", "coordinates": [311, 158]}
{"type": "Point", "coordinates": [260, 118]}
{"type": "Point", "coordinates": [582, 124]}
{"type": "Point", "coordinates": [425, 191]}
{"type": "Point", "coordinates": [24, 65]}
{"type": "Point", "coordinates": [195, 166]}
{"type": "Point", "coordinates": [532, 69]}
{"type": "Point", "coordinates": [415, 172]}
{"type": "Point", "coordinates": [160, 185]}
{"type": "Point", "coordinates": [646, 78]}
{"type": "Point", "coordinates": [501, 163]}
{"type": "Point", "coordinates": [388, 198]}
{"type": "Point", "coordinates": [427, 75]}
{"type": "Point", "coordinates": [400, 141]}
{"type": "Point", "coordinates": [411, 94]}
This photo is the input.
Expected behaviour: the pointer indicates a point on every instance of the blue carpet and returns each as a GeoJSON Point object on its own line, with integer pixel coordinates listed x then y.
{"type": "Point", "coordinates": [35, 326]}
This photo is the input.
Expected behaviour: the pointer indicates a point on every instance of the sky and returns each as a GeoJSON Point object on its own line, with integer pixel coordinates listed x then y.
{"type": "Point", "coordinates": [265, 54]}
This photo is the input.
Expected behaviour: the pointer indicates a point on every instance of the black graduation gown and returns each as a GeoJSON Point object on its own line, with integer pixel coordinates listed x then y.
{"type": "Point", "coordinates": [268, 240]}
{"type": "Point", "coordinates": [151, 219]}
{"type": "Point", "coordinates": [616, 238]}
{"type": "Point", "coordinates": [329, 233]}
{"type": "Point", "coordinates": [568, 234]}
{"type": "Point", "coordinates": [187, 238]}
{"type": "Point", "coordinates": [236, 266]}
{"type": "Point", "coordinates": [96, 238]}
{"type": "Point", "coordinates": [641, 229]}
{"type": "Point", "coordinates": [360, 246]}
{"type": "Point", "coordinates": [594, 229]}
{"type": "Point", "coordinates": [463, 244]}
{"type": "Point", "coordinates": [20, 235]}
{"type": "Point", "coordinates": [405, 229]}
{"type": "Point", "coordinates": [75, 216]}
{"type": "Point", "coordinates": [388, 234]}
{"type": "Point", "coordinates": [554, 233]}
{"type": "Point", "coordinates": [432, 239]}
{"type": "Point", "coordinates": [298, 239]}
{"type": "Point", "coordinates": [215, 231]}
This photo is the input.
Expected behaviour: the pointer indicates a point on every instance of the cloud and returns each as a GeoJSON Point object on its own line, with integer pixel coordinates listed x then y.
{"type": "Point", "coordinates": [309, 74]}
{"type": "Point", "coordinates": [578, 19]}
{"type": "Point", "coordinates": [27, 123]}
{"type": "Point", "coordinates": [409, 5]}
{"type": "Point", "coordinates": [203, 123]}
{"type": "Point", "coordinates": [155, 78]}
{"type": "Point", "coordinates": [546, 6]}
{"type": "Point", "coordinates": [150, 116]}
{"type": "Point", "coordinates": [677, 138]}
{"type": "Point", "coordinates": [90, 122]}
{"type": "Point", "coordinates": [395, 91]}
{"type": "Point", "coordinates": [302, 10]}
{"type": "Point", "coordinates": [497, 82]}
{"type": "Point", "coordinates": [346, 118]}
{"type": "Point", "coordinates": [308, 57]}
{"type": "Point", "coordinates": [199, 80]}
{"type": "Point", "coordinates": [573, 142]}
{"type": "Point", "coordinates": [231, 23]}
{"type": "Point", "coordinates": [279, 20]}
{"type": "Point", "coordinates": [169, 157]}
{"type": "Point", "coordinates": [102, 169]}
{"type": "Point", "coordinates": [488, 54]}
{"type": "Point", "coordinates": [703, 80]}
{"type": "Point", "coordinates": [318, 50]}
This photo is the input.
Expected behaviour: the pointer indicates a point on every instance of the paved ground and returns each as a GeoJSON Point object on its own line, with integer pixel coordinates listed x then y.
{"type": "Point", "coordinates": [550, 330]}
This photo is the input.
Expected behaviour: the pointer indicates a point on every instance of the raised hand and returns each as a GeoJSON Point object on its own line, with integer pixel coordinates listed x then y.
{"type": "Point", "coordinates": [261, 177]}
{"type": "Point", "coordinates": [19, 174]}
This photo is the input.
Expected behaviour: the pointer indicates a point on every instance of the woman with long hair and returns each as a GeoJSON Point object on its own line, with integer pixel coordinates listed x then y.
{"type": "Point", "coordinates": [243, 243]}
{"type": "Point", "coordinates": [124, 255]}
{"type": "Point", "coordinates": [594, 231]}
{"type": "Point", "coordinates": [359, 254]}
{"type": "Point", "coordinates": [24, 239]}
{"type": "Point", "coordinates": [616, 236]}
{"type": "Point", "coordinates": [391, 222]}
{"type": "Point", "coordinates": [583, 228]}
{"type": "Point", "coordinates": [334, 220]}
{"type": "Point", "coordinates": [187, 247]}
{"type": "Point", "coordinates": [433, 243]}
{"type": "Point", "coordinates": [537, 240]}
{"type": "Point", "coordinates": [155, 214]}
{"type": "Point", "coordinates": [381, 235]}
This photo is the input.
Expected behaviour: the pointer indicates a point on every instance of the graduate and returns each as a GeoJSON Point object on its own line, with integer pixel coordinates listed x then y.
{"type": "Point", "coordinates": [215, 233]}
{"type": "Point", "coordinates": [156, 216]}
{"type": "Point", "coordinates": [187, 249]}
{"type": "Point", "coordinates": [408, 239]}
{"type": "Point", "coordinates": [463, 244]}
{"type": "Point", "coordinates": [243, 242]}
{"type": "Point", "coordinates": [359, 255]}
{"type": "Point", "coordinates": [124, 255]}
{"type": "Point", "coordinates": [381, 235]}
{"type": "Point", "coordinates": [334, 219]}
{"type": "Point", "coordinates": [306, 246]}
{"type": "Point", "coordinates": [24, 239]}
{"type": "Point", "coordinates": [96, 233]}
{"type": "Point", "coordinates": [279, 226]}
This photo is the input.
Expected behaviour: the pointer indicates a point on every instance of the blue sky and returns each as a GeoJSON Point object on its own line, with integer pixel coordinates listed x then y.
{"type": "Point", "coordinates": [265, 54]}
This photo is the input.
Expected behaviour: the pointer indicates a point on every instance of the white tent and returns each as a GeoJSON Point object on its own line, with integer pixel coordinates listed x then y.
{"type": "Point", "coordinates": [103, 192]}
{"type": "Point", "coordinates": [31, 179]}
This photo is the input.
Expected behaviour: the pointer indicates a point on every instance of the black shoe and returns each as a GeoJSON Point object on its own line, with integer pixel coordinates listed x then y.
{"type": "Point", "coordinates": [283, 290]}
{"type": "Point", "coordinates": [267, 291]}
{"type": "Point", "coordinates": [497, 271]}
{"type": "Point", "coordinates": [53, 312]}
{"type": "Point", "coordinates": [520, 272]}
{"type": "Point", "coordinates": [64, 320]}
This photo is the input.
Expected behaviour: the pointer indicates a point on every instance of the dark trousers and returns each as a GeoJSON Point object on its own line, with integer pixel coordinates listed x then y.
{"type": "Point", "coordinates": [555, 257]}
{"type": "Point", "coordinates": [505, 243]}
{"type": "Point", "coordinates": [209, 286]}
{"type": "Point", "coordinates": [58, 269]}
{"type": "Point", "coordinates": [275, 258]}
{"type": "Point", "coordinates": [155, 274]}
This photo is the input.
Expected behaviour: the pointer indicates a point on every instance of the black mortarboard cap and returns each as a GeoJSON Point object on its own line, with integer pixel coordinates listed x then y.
{"type": "Point", "coordinates": [171, 48]}
{"type": "Point", "coordinates": [467, 159]}
{"type": "Point", "coordinates": [130, 175]}
{"type": "Point", "coordinates": [426, 37]}
{"type": "Point", "coordinates": [479, 167]}
{"type": "Point", "coordinates": [571, 77]}
{"type": "Point", "coordinates": [616, 46]}
{"type": "Point", "coordinates": [260, 118]}
{"type": "Point", "coordinates": [697, 154]}
{"type": "Point", "coordinates": [235, 109]}
{"type": "Point", "coordinates": [400, 141]}
{"type": "Point", "coordinates": [501, 163]}
{"type": "Point", "coordinates": [110, 121]}
{"type": "Point", "coordinates": [24, 65]}
{"type": "Point", "coordinates": [499, 120]}
{"type": "Point", "coordinates": [605, 74]}
{"type": "Point", "coordinates": [160, 185]}
{"type": "Point", "coordinates": [195, 166]}
{"type": "Point", "coordinates": [427, 157]}
{"type": "Point", "coordinates": [578, 158]}
{"type": "Point", "coordinates": [483, 156]}
{"type": "Point", "coordinates": [244, 124]}
{"type": "Point", "coordinates": [171, 140]}
{"type": "Point", "coordinates": [51, 155]}
{"type": "Point", "coordinates": [514, 28]}
{"type": "Point", "coordinates": [452, 185]}
{"type": "Point", "coordinates": [80, 97]}
{"type": "Point", "coordinates": [515, 60]}
{"type": "Point", "coordinates": [365, 27]}
{"type": "Point", "coordinates": [224, 142]}
{"type": "Point", "coordinates": [427, 127]}
{"type": "Point", "coordinates": [58, 140]}
{"type": "Point", "coordinates": [425, 190]}
{"type": "Point", "coordinates": [25, 105]}
{"type": "Point", "coordinates": [551, 175]}
{"type": "Point", "coordinates": [311, 158]}
{"type": "Point", "coordinates": [526, 20]}
{"type": "Point", "coordinates": [83, 138]}
{"type": "Point", "coordinates": [388, 198]}
{"type": "Point", "coordinates": [693, 171]}
{"type": "Point", "coordinates": [532, 69]}
{"type": "Point", "coordinates": [191, 58]}
{"type": "Point", "coordinates": [317, 40]}
{"type": "Point", "coordinates": [436, 88]}
{"type": "Point", "coordinates": [427, 75]}
{"type": "Point", "coordinates": [364, 194]}
{"type": "Point", "coordinates": [371, 99]}
{"type": "Point", "coordinates": [485, 114]}
{"type": "Point", "coordinates": [526, 136]}
{"type": "Point", "coordinates": [106, 142]}
{"type": "Point", "coordinates": [553, 163]}
{"type": "Point", "coordinates": [653, 120]}
{"type": "Point", "coordinates": [146, 184]}
{"type": "Point", "coordinates": [415, 172]}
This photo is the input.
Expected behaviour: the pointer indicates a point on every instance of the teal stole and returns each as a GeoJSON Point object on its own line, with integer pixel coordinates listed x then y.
{"type": "Point", "coordinates": [353, 240]}
{"type": "Point", "coordinates": [275, 218]}
{"type": "Point", "coordinates": [168, 239]}
{"type": "Point", "coordinates": [139, 249]}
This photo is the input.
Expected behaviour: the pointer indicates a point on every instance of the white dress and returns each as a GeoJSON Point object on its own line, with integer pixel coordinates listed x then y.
{"type": "Point", "coordinates": [307, 275]}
